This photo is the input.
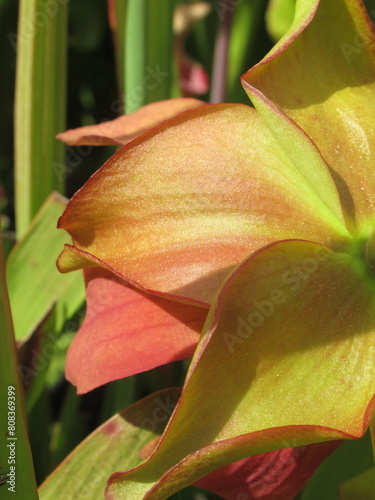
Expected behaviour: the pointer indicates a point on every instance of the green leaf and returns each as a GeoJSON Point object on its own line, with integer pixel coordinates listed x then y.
{"type": "Point", "coordinates": [33, 277]}
{"type": "Point", "coordinates": [351, 458]}
{"type": "Point", "coordinates": [45, 364]}
{"type": "Point", "coordinates": [160, 42]}
{"type": "Point", "coordinates": [40, 105]}
{"type": "Point", "coordinates": [135, 54]}
{"type": "Point", "coordinates": [361, 487]}
{"type": "Point", "coordinates": [66, 433]}
{"type": "Point", "coordinates": [113, 446]}
{"type": "Point", "coordinates": [14, 443]}
{"type": "Point", "coordinates": [244, 41]}
{"type": "Point", "coordinates": [148, 52]}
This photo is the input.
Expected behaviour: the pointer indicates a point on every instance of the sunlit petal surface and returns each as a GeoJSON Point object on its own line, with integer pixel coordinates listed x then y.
{"type": "Point", "coordinates": [287, 354]}
{"type": "Point", "coordinates": [325, 80]}
{"type": "Point", "coordinates": [125, 128]}
{"type": "Point", "coordinates": [177, 208]}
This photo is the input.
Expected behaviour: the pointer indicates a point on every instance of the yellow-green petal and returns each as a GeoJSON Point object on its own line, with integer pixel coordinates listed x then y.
{"type": "Point", "coordinates": [286, 356]}
{"type": "Point", "coordinates": [322, 74]}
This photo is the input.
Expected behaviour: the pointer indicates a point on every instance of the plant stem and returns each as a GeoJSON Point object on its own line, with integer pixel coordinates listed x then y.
{"type": "Point", "coordinates": [135, 54]}
{"type": "Point", "coordinates": [40, 106]}
{"type": "Point", "coordinates": [219, 73]}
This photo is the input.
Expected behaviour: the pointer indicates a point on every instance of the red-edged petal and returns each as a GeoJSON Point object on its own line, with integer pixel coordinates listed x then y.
{"type": "Point", "coordinates": [178, 207]}
{"type": "Point", "coordinates": [287, 354]}
{"type": "Point", "coordinates": [276, 475]}
{"type": "Point", "coordinates": [125, 128]}
{"type": "Point", "coordinates": [126, 332]}
{"type": "Point", "coordinates": [322, 75]}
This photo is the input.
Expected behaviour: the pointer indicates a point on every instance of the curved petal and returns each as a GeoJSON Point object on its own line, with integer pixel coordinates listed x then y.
{"type": "Point", "coordinates": [287, 354]}
{"type": "Point", "coordinates": [322, 74]}
{"type": "Point", "coordinates": [125, 128]}
{"type": "Point", "coordinates": [177, 208]}
{"type": "Point", "coordinates": [127, 332]}
{"type": "Point", "coordinates": [276, 475]}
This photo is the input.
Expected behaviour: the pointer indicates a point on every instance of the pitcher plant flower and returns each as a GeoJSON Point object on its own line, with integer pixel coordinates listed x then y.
{"type": "Point", "coordinates": [259, 223]}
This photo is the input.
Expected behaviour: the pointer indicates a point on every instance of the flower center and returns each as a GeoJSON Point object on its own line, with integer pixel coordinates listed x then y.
{"type": "Point", "coordinates": [362, 251]}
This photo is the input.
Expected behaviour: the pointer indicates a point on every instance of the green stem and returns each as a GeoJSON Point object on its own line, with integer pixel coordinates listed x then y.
{"type": "Point", "coordinates": [135, 54]}
{"type": "Point", "coordinates": [40, 105]}
{"type": "Point", "coordinates": [148, 54]}
{"type": "Point", "coordinates": [244, 46]}
{"type": "Point", "coordinates": [159, 70]}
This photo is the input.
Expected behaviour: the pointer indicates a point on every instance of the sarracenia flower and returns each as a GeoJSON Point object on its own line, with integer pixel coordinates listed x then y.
{"type": "Point", "coordinates": [265, 216]}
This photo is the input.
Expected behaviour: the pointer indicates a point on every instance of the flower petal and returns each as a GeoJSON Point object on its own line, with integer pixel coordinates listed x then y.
{"type": "Point", "coordinates": [127, 332]}
{"type": "Point", "coordinates": [177, 208]}
{"type": "Point", "coordinates": [125, 128]}
{"type": "Point", "coordinates": [287, 354]}
{"type": "Point", "coordinates": [322, 74]}
{"type": "Point", "coordinates": [276, 475]}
